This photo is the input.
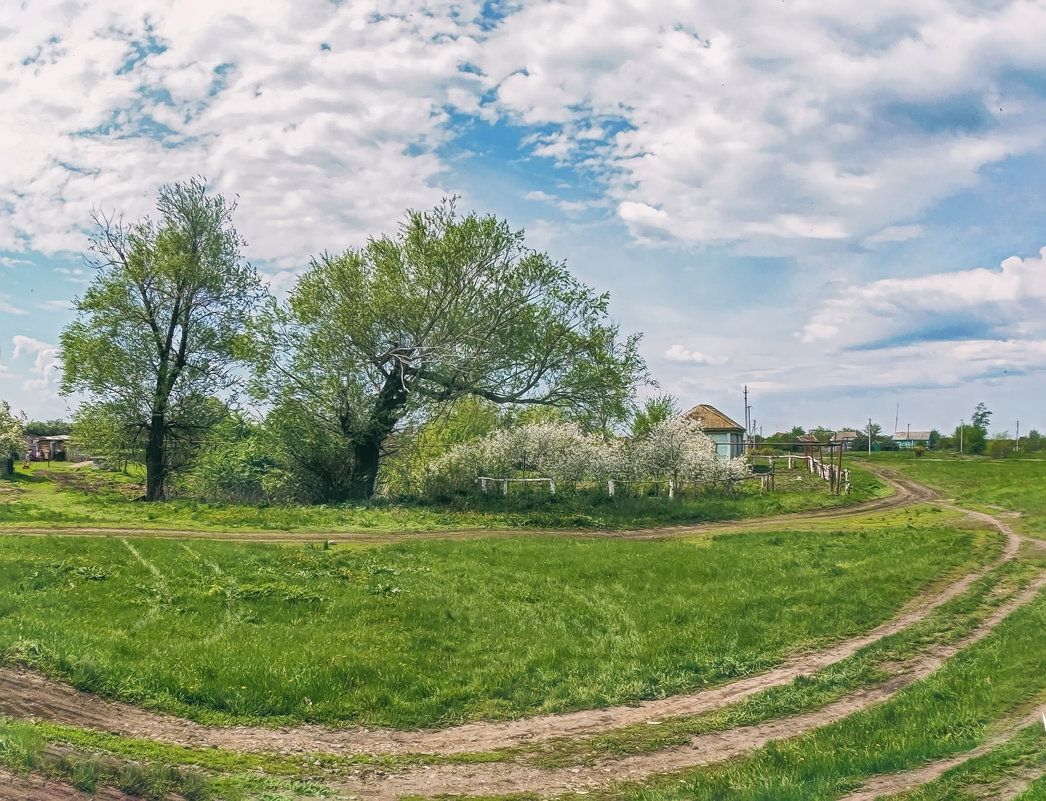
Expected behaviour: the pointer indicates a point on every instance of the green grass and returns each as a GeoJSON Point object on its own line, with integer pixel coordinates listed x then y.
{"type": "Point", "coordinates": [431, 633]}
{"type": "Point", "coordinates": [1015, 484]}
{"type": "Point", "coordinates": [60, 495]}
{"type": "Point", "coordinates": [870, 665]}
{"type": "Point", "coordinates": [948, 713]}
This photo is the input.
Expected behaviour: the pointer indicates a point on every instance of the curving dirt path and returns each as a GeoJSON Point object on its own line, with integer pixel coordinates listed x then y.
{"type": "Point", "coordinates": [25, 694]}
{"type": "Point", "coordinates": [906, 492]}
{"type": "Point", "coordinates": [506, 778]}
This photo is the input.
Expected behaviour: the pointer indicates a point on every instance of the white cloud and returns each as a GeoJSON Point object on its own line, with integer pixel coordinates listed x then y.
{"type": "Point", "coordinates": [7, 261]}
{"type": "Point", "coordinates": [56, 305]}
{"type": "Point", "coordinates": [895, 233]}
{"type": "Point", "coordinates": [678, 353]}
{"type": "Point", "coordinates": [9, 308]}
{"type": "Point", "coordinates": [324, 118]}
{"type": "Point", "coordinates": [45, 365]}
{"type": "Point", "coordinates": [1009, 302]}
{"type": "Point", "coordinates": [779, 121]}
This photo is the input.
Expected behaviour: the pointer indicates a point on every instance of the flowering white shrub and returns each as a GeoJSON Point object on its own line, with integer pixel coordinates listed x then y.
{"type": "Point", "coordinates": [679, 450]}
{"type": "Point", "coordinates": [675, 449]}
{"type": "Point", "coordinates": [11, 442]}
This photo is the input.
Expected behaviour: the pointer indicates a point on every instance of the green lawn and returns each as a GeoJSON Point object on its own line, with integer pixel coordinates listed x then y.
{"type": "Point", "coordinates": [431, 633]}
{"type": "Point", "coordinates": [1015, 484]}
{"type": "Point", "coordinates": [61, 496]}
{"type": "Point", "coordinates": [947, 713]}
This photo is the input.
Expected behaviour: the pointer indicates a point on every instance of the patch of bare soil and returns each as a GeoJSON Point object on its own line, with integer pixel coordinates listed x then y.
{"type": "Point", "coordinates": [36, 788]}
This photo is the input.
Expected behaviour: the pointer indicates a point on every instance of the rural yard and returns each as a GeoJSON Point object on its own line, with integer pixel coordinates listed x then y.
{"type": "Point", "coordinates": [892, 646]}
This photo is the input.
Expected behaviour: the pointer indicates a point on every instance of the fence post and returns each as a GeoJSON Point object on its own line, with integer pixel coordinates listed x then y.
{"type": "Point", "coordinates": [671, 488]}
{"type": "Point", "coordinates": [552, 486]}
{"type": "Point", "coordinates": [504, 486]}
{"type": "Point", "coordinates": [610, 487]}
{"type": "Point", "coordinates": [483, 484]}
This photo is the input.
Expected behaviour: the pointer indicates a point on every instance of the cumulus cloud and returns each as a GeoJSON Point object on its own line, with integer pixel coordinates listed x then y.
{"type": "Point", "coordinates": [1008, 303]}
{"type": "Point", "coordinates": [45, 364]}
{"type": "Point", "coordinates": [780, 121]}
{"type": "Point", "coordinates": [323, 118]}
{"type": "Point", "coordinates": [678, 353]}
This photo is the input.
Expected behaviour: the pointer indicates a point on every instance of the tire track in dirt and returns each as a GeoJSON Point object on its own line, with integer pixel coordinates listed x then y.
{"type": "Point", "coordinates": [33, 787]}
{"type": "Point", "coordinates": [506, 778]}
{"type": "Point", "coordinates": [906, 493]}
{"type": "Point", "coordinates": [26, 694]}
{"type": "Point", "coordinates": [893, 783]}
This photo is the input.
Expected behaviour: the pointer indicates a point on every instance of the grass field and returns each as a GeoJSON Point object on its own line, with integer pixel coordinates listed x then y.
{"type": "Point", "coordinates": [59, 495]}
{"type": "Point", "coordinates": [1016, 484]}
{"type": "Point", "coordinates": [430, 633]}
{"type": "Point", "coordinates": [949, 712]}
{"type": "Point", "coordinates": [427, 633]}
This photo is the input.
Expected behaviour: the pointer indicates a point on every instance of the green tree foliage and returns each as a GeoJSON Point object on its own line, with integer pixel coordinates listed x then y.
{"type": "Point", "coordinates": [1034, 442]}
{"type": "Point", "coordinates": [970, 439]}
{"type": "Point", "coordinates": [450, 307]}
{"type": "Point", "coordinates": [654, 411]}
{"type": "Point", "coordinates": [156, 330]}
{"type": "Point", "coordinates": [981, 417]}
{"type": "Point", "coordinates": [47, 428]}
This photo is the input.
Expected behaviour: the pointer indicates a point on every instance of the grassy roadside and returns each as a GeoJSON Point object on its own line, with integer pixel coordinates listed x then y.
{"type": "Point", "coordinates": [432, 633]}
{"type": "Point", "coordinates": [1014, 484]}
{"type": "Point", "coordinates": [948, 713]}
{"type": "Point", "coordinates": [63, 496]}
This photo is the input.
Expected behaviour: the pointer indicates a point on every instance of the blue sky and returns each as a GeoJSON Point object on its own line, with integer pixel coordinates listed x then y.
{"type": "Point", "coordinates": [837, 205]}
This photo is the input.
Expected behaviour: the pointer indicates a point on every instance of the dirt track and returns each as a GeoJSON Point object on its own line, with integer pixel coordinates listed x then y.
{"type": "Point", "coordinates": [24, 694]}
{"type": "Point", "coordinates": [906, 493]}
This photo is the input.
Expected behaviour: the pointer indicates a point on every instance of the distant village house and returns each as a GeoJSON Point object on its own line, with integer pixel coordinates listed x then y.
{"type": "Point", "coordinates": [728, 436]}
{"type": "Point", "coordinates": [906, 440]}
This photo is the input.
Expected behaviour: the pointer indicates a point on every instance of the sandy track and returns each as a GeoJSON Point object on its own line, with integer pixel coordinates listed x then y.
{"type": "Point", "coordinates": [892, 783]}
{"type": "Point", "coordinates": [37, 788]}
{"type": "Point", "coordinates": [505, 778]}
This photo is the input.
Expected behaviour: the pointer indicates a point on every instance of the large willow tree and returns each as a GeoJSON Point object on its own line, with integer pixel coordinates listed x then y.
{"type": "Point", "coordinates": [155, 334]}
{"type": "Point", "coordinates": [449, 307]}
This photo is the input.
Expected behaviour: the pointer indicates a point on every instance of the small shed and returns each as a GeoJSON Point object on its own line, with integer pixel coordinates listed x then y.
{"type": "Point", "coordinates": [53, 448]}
{"type": "Point", "coordinates": [808, 442]}
{"type": "Point", "coordinates": [728, 436]}
{"type": "Point", "coordinates": [845, 439]}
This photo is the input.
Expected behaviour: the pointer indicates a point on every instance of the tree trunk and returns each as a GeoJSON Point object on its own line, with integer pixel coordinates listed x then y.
{"type": "Point", "coordinates": [154, 460]}
{"type": "Point", "coordinates": [388, 408]}
{"type": "Point", "coordinates": [367, 453]}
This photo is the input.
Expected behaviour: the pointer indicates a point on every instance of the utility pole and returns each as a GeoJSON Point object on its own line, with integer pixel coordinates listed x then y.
{"type": "Point", "coordinates": [748, 421]}
{"type": "Point", "coordinates": [1017, 444]}
{"type": "Point", "coordinates": [869, 436]}
{"type": "Point", "coordinates": [961, 427]}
